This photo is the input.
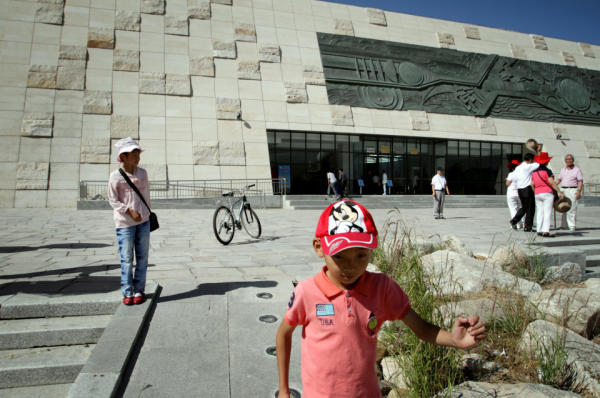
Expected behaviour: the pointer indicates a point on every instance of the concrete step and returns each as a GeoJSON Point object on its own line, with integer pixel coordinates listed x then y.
{"type": "Point", "coordinates": [570, 242]}
{"type": "Point", "coordinates": [40, 366]}
{"type": "Point", "coordinates": [44, 332]}
{"type": "Point", "coordinates": [592, 261]}
{"type": "Point", "coordinates": [50, 391]}
{"type": "Point", "coordinates": [23, 305]}
{"type": "Point", "coordinates": [589, 250]}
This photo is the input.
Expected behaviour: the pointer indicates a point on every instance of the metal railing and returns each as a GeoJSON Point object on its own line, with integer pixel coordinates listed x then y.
{"type": "Point", "coordinates": [190, 189]}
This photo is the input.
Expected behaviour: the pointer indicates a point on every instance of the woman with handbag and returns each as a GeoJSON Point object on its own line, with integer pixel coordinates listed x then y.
{"type": "Point", "coordinates": [128, 195]}
{"type": "Point", "coordinates": [544, 187]}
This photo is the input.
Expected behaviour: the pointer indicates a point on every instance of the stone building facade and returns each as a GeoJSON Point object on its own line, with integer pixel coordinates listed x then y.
{"type": "Point", "coordinates": [204, 84]}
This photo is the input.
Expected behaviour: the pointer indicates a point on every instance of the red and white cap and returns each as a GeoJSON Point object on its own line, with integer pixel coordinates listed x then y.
{"type": "Point", "coordinates": [346, 224]}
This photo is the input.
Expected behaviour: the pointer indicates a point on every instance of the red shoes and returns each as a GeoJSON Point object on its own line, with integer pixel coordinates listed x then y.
{"type": "Point", "coordinates": [139, 299]}
{"type": "Point", "coordinates": [128, 300]}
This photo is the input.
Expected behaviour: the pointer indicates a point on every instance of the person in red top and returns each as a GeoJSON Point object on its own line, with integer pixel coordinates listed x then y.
{"type": "Point", "coordinates": [542, 182]}
{"type": "Point", "coordinates": [342, 308]}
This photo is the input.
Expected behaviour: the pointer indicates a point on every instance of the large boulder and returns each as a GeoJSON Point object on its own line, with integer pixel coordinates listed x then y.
{"type": "Point", "coordinates": [484, 307]}
{"type": "Point", "coordinates": [582, 354]}
{"type": "Point", "coordinates": [576, 308]}
{"type": "Point", "coordinates": [505, 255]}
{"type": "Point", "coordinates": [454, 244]}
{"type": "Point", "coordinates": [567, 272]}
{"type": "Point", "coordinates": [455, 273]}
{"type": "Point", "coordinates": [392, 372]}
{"type": "Point", "coordinates": [474, 389]}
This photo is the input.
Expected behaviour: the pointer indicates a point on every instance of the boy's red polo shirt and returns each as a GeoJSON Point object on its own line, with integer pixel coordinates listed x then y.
{"type": "Point", "coordinates": [339, 332]}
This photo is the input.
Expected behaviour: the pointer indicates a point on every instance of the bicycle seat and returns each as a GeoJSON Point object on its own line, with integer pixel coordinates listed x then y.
{"type": "Point", "coordinates": [228, 193]}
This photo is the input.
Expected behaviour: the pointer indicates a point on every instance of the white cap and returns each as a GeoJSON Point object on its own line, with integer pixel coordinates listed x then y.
{"type": "Point", "coordinates": [126, 145]}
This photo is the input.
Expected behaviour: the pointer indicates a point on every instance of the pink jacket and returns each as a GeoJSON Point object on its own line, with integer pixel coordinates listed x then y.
{"type": "Point", "coordinates": [121, 197]}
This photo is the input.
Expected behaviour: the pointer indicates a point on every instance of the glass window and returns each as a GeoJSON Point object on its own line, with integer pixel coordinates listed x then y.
{"type": "Point", "coordinates": [440, 148]}
{"type": "Point", "coordinates": [282, 140]}
{"type": "Point", "coordinates": [298, 141]}
{"type": "Point", "coordinates": [313, 141]}
{"type": "Point", "coordinates": [370, 146]}
{"type": "Point", "coordinates": [282, 157]}
{"type": "Point", "coordinates": [517, 149]}
{"type": "Point", "coordinates": [507, 149]}
{"type": "Point", "coordinates": [412, 147]}
{"type": "Point", "coordinates": [486, 149]}
{"type": "Point", "coordinates": [452, 147]}
{"type": "Point", "coordinates": [399, 146]}
{"type": "Point", "coordinates": [463, 148]}
{"type": "Point", "coordinates": [475, 149]}
{"type": "Point", "coordinates": [496, 149]}
{"type": "Point", "coordinates": [271, 137]}
{"type": "Point", "coordinates": [298, 156]}
{"type": "Point", "coordinates": [355, 143]}
{"type": "Point", "coordinates": [341, 143]}
{"type": "Point", "coordinates": [426, 147]}
{"type": "Point", "coordinates": [327, 142]}
{"type": "Point", "coordinates": [385, 147]}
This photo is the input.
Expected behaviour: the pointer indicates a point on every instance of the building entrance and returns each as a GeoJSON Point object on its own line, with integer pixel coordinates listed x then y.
{"type": "Point", "coordinates": [472, 167]}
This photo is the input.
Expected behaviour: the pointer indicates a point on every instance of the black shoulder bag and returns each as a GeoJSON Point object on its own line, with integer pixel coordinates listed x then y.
{"type": "Point", "coordinates": [153, 218]}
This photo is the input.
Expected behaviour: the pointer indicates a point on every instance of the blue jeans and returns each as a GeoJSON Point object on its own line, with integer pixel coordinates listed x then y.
{"type": "Point", "coordinates": [138, 237]}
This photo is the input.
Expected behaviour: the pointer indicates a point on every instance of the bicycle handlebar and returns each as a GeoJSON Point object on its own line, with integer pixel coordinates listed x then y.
{"type": "Point", "coordinates": [230, 193]}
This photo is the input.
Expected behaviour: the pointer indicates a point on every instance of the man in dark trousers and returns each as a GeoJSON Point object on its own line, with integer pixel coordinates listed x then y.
{"type": "Point", "coordinates": [342, 183]}
{"type": "Point", "coordinates": [522, 177]}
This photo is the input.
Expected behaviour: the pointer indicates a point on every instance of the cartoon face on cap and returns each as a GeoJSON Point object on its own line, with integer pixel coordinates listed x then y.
{"type": "Point", "coordinates": [346, 217]}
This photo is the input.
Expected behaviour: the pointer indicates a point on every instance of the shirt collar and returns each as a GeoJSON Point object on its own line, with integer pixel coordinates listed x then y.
{"type": "Point", "coordinates": [330, 289]}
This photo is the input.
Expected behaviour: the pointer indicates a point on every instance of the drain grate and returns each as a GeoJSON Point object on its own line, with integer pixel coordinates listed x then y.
{"type": "Point", "coordinates": [267, 318]}
{"type": "Point", "coordinates": [272, 350]}
{"type": "Point", "coordinates": [293, 393]}
{"type": "Point", "coordinates": [264, 295]}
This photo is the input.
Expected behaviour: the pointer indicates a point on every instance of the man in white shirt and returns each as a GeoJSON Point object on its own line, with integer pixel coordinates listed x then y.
{"type": "Point", "coordinates": [439, 189]}
{"type": "Point", "coordinates": [384, 182]}
{"type": "Point", "coordinates": [522, 178]}
{"type": "Point", "coordinates": [331, 180]}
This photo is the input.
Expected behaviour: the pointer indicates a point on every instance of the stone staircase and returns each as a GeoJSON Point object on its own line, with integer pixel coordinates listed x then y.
{"type": "Point", "coordinates": [55, 345]}
{"type": "Point", "coordinates": [587, 249]}
{"type": "Point", "coordinates": [47, 344]}
{"type": "Point", "coordinates": [314, 202]}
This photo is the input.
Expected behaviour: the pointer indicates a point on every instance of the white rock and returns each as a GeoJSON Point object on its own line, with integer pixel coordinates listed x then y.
{"type": "Point", "coordinates": [454, 244]}
{"type": "Point", "coordinates": [584, 355]}
{"type": "Point", "coordinates": [392, 372]}
{"type": "Point", "coordinates": [456, 273]}
{"type": "Point", "coordinates": [478, 389]}
{"type": "Point", "coordinates": [567, 272]}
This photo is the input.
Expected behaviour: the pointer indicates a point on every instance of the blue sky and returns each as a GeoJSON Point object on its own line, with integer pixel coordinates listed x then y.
{"type": "Point", "coordinates": [575, 20]}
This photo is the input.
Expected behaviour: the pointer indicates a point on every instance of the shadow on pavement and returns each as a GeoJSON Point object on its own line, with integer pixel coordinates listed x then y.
{"type": "Point", "coordinates": [262, 239]}
{"type": "Point", "coordinates": [18, 249]}
{"type": "Point", "coordinates": [80, 271]}
{"type": "Point", "coordinates": [214, 289]}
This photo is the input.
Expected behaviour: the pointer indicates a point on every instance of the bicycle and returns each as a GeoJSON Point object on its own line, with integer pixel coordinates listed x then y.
{"type": "Point", "coordinates": [224, 224]}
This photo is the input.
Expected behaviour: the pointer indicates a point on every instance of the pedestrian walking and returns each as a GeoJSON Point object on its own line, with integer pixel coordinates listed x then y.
{"type": "Point", "coordinates": [384, 181]}
{"type": "Point", "coordinates": [331, 183]}
{"type": "Point", "coordinates": [512, 193]}
{"type": "Point", "coordinates": [523, 180]}
{"type": "Point", "coordinates": [542, 182]}
{"type": "Point", "coordinates": [131, 218]}
{"type": "Point", "coordinates": [343, 307]}
{"type": "Point", "coordinates": [439, 189]}
{"type": "Point", "coordinates": [342, 183]}
{"type": "Point", "coordinates": [570, 179]}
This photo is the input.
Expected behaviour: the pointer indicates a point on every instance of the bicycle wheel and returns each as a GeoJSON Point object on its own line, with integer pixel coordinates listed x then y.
{"type": "Point", "coordinates": [223, 225]}
{"type": "Point", "coordinates": [251, 222]}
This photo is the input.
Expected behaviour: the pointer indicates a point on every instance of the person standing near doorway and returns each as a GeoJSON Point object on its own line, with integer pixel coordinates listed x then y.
{"type": "Point", "coordinates": [542, 182]}
{"type": "Point", "coordinates": [331, 183]}
{"type": "Point", "coordinates": [571, 180]}
{"type": "Point", "coordinates": [342, 183]}
{"type": "Point", "coordinates": [512, 193]}
{"type": "Point", "coordinates": [439, 189]}
{"type": "Point", "coordinates": [526, 195]}
{"type": "Point", "coordinates": [384, 182]}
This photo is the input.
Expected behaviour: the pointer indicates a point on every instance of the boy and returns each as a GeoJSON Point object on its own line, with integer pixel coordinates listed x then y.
{"type": "Point", "coordinates": [343, 307]}
{"type": "Point", "coordinates": [131, 219]}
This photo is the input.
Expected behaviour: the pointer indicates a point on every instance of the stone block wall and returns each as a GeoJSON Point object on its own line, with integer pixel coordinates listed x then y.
{"type": "Point", "coordinates": [199, 82]}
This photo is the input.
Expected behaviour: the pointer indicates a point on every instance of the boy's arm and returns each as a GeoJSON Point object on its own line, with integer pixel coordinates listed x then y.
{"type": "Point", "coordinates": [283, 343]}
{"type": "Point", "coordinates": [465, 333]}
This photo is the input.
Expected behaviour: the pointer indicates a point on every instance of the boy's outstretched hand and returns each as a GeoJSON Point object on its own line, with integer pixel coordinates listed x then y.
{"type": "Point", "coordinates": [466, 332]}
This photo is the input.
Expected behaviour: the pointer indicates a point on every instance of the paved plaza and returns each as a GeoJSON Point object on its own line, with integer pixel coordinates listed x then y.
{"type": "Point", "coordinates": [204, 337]}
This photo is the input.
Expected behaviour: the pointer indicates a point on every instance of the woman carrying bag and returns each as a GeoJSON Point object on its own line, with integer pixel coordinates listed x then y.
{"type": "Point", "coordinates": [543, 184]}
{"type": "Point", "coordinates": [129, 195]}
